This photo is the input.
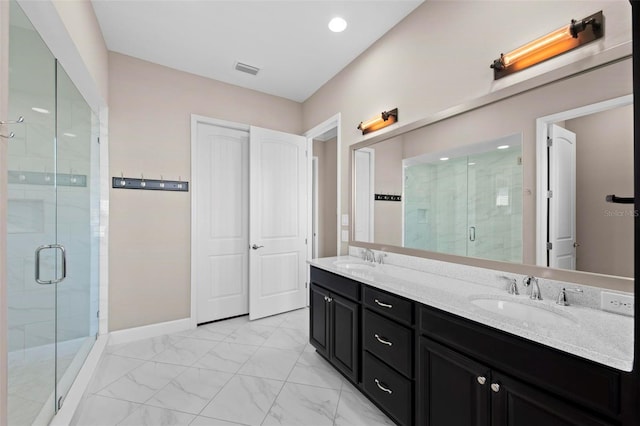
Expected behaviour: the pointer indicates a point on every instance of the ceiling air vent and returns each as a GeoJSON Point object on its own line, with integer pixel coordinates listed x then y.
{"type": "Point", "coordinates": [249, 69]}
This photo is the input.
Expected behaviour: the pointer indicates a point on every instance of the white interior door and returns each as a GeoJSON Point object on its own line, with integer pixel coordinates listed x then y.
{"type": "Point", "coordinates": [221, 190]}
{"type": "Point", "coordinates": [278, 222]}
{"type": "Point", "coordinates": [562, 199]}
{"type": "Point", "coordinates": [364, 174]}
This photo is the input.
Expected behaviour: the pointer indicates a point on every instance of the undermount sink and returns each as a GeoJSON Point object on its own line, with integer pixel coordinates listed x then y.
{"type": "Point", "coordinates": [354, 265]}
{"type": "Point", "coordinates": [526, 313]}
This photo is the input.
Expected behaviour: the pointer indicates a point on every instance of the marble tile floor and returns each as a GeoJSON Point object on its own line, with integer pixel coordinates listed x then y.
{"type": "Point", "coordinates": [232, 372]}
{"type": "Point", "coordinates": [31, 382]}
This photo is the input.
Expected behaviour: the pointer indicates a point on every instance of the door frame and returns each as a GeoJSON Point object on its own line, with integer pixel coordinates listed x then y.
{"type": "Point", "coordinates": [372, 191]}
{"type": "Point", "coordinates": [314, 200]}
{"type": "Point", "coordinates": [195, 120]}
{"type": "Point", "coordinates": [542, 167]}
{"type": "Point", "coordinates": [330, 123]}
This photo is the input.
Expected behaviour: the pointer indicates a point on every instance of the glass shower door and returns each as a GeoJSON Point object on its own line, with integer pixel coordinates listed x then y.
{"type": "Point", "coordinates": [53, 228]}
{"type": "Point", "coordinates": [495, 205]}
{"type": "Point", "coordinates": [31, 224]}
{"type": "Point", "coordinates": [77, 218]}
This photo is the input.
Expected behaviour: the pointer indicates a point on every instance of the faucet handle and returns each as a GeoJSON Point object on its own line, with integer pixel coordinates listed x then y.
{"type": "Point", "coordinates": [562, 296]}
{"type": "Point", "coordinates": [513, 285]}
{"type": "Point", "coordinates": [381, 257]}
{"type": "Point", "coordinates": [364, 254]}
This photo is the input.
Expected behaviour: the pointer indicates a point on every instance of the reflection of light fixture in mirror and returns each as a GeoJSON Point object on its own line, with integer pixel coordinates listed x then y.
{"type": "Point", "coordinates": [69, 135]}
{"type": "Point", "coordinates": [503, 147]}
{"type": "Point", "coordinates": [573, 35]}
{"type": "Point", "coordinates": [40, 110]}
{"type": "Point", "coordinates": [471, 164]}
{"type": "Point", "coordinates": [386, 118]}
{"type": "Point", "coordinates": [444, 158]}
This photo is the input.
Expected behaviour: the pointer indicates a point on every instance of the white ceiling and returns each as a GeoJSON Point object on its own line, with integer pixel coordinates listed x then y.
{"type": "Point", "coordinates": [288, 40]}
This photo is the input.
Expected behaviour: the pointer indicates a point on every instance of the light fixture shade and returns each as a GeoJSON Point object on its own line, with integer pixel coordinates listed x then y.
{"type": "Point", "coordinates": [569, 37]}
{"type": "Point", "coordinates": [384, 119]}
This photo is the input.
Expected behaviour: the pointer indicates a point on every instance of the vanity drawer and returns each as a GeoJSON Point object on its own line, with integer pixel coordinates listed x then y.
{"type": "Point", "coordinates": [389, 389]}
{"type": "Point", "coordinates": [388, 304]}
{"type": "Point", "coordinates": [336, 283]}
{"type": "Point", "coordinates": [574, 378]}
{"type": "Point", "coordinates": [389, 341]}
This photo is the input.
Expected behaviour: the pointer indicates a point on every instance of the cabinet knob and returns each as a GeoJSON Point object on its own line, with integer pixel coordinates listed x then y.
{"type": "Point", "coordinates": [481, 379]}
{"type": "Point", "coordinates": [495, 387]}
{"type": "Point", "coordinates": [329, 299]}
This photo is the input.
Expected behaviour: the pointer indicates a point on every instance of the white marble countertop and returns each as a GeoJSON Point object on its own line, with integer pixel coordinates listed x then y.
{"type": "Point", "coordinates": [588, 333]}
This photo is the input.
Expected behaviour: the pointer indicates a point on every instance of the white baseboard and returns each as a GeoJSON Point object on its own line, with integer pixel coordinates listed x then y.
{"type": "Point", "coordinates": [148, 331]}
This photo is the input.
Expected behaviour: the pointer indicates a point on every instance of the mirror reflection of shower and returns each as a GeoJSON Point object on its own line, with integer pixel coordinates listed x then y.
{"type": "Point", "coordinates": [466, 201]}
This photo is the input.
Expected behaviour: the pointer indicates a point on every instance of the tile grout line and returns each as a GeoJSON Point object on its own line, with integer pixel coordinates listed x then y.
{"type": "Point", "coordinates": [283, 385]}
{"type": "Point", "coordinates": [146, 360]}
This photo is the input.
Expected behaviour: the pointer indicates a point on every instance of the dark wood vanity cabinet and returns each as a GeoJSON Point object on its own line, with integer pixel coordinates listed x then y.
{"type": "Point", "coordinates": [335, 321]}
{"type": "Point", "coordinates": [425, 366]}
{"type": "Point", "coordinates": [498, 379]}
{"type": "Point", "coordinates": [388, 340]}
{"type": "Point", "coordinates": [456, 390]}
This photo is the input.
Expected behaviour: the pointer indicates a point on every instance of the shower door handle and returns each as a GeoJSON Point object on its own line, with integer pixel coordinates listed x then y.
{"type": "Point", "coordinates": [64, 263]}
{"type": "Point", "coordinates": [472, 233]}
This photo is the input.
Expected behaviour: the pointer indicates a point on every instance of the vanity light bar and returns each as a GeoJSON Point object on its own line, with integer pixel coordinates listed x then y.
{"type": "Point", "coordinates": [386, 118]}
{"type": "Point", "coordinates": [557, 42]}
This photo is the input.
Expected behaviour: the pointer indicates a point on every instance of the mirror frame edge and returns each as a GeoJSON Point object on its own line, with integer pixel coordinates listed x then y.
{"type": "Point", "coordinates": [615, 54]}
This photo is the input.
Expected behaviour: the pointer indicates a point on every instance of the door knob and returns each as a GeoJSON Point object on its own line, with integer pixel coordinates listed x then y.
{"type": "Point", "coordinates": [256, 247]}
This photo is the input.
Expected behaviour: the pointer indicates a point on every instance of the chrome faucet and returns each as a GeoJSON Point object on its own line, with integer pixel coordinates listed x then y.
{"type": "Point", "coordinates": [532, 281]}
{"type": "Point", "coordinates": [368, 255]}
{"type": "Point", "coordinates": [381, 257]}
{"type": "Point", "coordinates": [562, 296]}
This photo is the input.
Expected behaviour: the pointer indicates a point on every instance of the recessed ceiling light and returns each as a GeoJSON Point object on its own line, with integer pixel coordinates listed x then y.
{"type": "Point", "coordinates": [444, 158]}
{"type": "Point", "coordinates": [337, 25]}
{"type": "Point", "coordinates": [503, 147]}
{"type": "Point", "coordinates": [40, 110]}
{"type": "Point", "coordinates": [70, 135]}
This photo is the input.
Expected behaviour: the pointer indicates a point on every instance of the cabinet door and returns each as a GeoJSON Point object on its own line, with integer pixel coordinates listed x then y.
{"type": "Point", "coordinates": [345, 336]}
{"type": "Point", "coordinates": [453, 389]}
{"type": "Point", "coordinates": [515, 404]}
{"type": "Point", "coordinates": [319, 319]}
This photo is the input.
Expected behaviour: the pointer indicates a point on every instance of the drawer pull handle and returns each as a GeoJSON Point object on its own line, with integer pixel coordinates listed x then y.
{"type": "Point", "coordinates": [482, 380]}
{"type": "Point", "coordinates": [384, 305]}
{"type": "Point", "coordinates": [495, 387]}
{"type": "Point", "coordinates": [381, 340]}
{"type": "Point", "coordinates": [382, 388]}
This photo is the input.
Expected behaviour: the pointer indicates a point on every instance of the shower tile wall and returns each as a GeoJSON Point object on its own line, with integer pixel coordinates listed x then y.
{"type": "Point", "coordinates": [31, 310]}
{"type": "Point", "coordinates": [443, 200]}
{"type": "Point", "coordinates": [35, 209]}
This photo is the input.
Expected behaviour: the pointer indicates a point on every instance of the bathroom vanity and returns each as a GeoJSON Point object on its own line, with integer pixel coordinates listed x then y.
{"type": "Point", "coordinates": [436, 350]}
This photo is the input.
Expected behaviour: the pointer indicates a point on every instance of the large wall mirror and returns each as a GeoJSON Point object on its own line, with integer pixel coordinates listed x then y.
{"type": "Point", "coordinates": [523, 180]}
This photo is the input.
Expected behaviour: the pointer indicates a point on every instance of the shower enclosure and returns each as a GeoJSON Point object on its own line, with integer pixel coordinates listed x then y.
{"type": "Point", "coordinates": [468, 205]}
{"type": "Point", "coordinates": [53, 227]}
